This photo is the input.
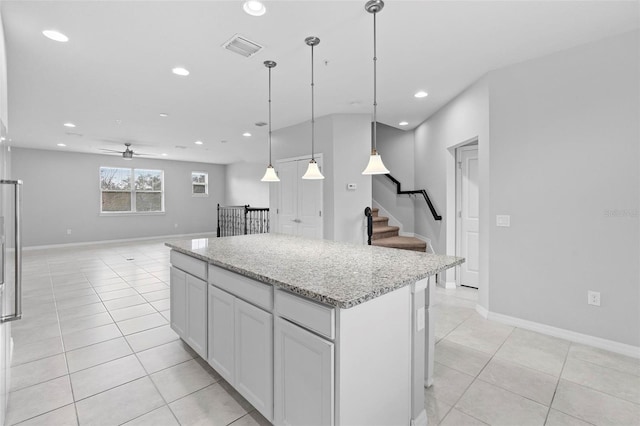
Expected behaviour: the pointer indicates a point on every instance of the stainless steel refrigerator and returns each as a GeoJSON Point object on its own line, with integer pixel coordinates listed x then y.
{"type": "Point", "coordinates": [10, 270]}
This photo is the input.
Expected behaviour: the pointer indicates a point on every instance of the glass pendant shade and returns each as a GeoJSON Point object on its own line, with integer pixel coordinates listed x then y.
{"type": "Point", "coordinates": [313, 172]}
{"type": "Point", "coordinates": [375, 166]}
{"type": "Point", "coordinates": [270, 175]}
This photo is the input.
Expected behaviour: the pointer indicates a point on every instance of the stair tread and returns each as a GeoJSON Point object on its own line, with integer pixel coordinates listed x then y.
{"type": "Point", "coordinates": [381, 229]}
{"type": "Point", "coordinates": [399, 242]}
{"type": "Point", "coordinates": [379, 219]}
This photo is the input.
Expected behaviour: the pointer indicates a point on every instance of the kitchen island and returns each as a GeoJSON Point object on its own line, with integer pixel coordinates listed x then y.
{"type": "Point", "coordinates": [310, 331]}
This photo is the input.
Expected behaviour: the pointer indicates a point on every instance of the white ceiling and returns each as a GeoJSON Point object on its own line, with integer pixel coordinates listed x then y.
{"type": "Point", "coordinates": [116, 68]}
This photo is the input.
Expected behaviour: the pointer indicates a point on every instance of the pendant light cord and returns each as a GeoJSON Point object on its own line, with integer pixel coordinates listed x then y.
{"type": "Point", "coordinates": [375, 98]}
{"type": "Point", "coordinates": [269, 116]}
{"type": "Point", "coordinates": [313, 121]}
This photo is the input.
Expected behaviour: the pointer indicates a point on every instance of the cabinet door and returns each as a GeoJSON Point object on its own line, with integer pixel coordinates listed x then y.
{"type": "Point", "coordinates": [303, 377]}
{"type": "Point", "coordinates": [221, 333]}
{"type": "Point", "coordinates": [197, 315]}
{"type": "Point", "coordinates": [178, 301]}
{"type": "Point", "coordinates": [254, 356]}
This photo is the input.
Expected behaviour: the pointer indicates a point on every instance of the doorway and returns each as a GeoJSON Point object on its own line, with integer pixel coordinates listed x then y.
{"type": "Point", "coordinates": [299, 201]}
{"type": "Point", "coordinates": [468, 214]}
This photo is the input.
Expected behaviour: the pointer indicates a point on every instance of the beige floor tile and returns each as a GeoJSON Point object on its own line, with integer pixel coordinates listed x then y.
{"type": "Point", "coordinates": [149, 338]}
{"type": "Point", "coordinates": [448, 384]}
{"type": "Point", "coordinates": [557, 418]}
{"type": "Point", "coordinates": [81, 311]}
{"type": "Point", "coordinates": [182, 379]}
{"type": "Point", "coordinates": [77, 301]}
{"type": "Point", "coordinates": [217, 404]}
{"type": "Point", "coordinates": [251, 419]}
{"type": "Point", "coordinates": [497, 406]}
{"type": "Point", "coordinates": [613, 382]}
{"type": "Point", "coordinates": [135, 325]}
{"type": "Point", "coordinates": [521, 380]}
{"type": "Point", "coordinates": [39, 399]}
{"type": "Point", "coordinates": [157, 295]}
{"type": "Point", "coordinates": [604, 358]}
{"type": "Point", "coordinates": [39, 371]}
{"type": "Point", "coordinates": [24, 336]}
{"type": "Point", "coordinates": [124, 302]}
{"type": "Point", "coordinates": [461, 358]}
{"type": "Point", "coordinates": [164, 356]}
{"type": "Point", "coordinates": [161, 305]}
{"type": "Point", "coordinates": [90, 356]}
{"type": "Point", "coordinates": [112, 287]}
{"type": "Point", "coordinates": [36, 350]}
{"type": "Point", "coordinates": [105, 376]}
{"type": "Point", "coordinates": [480, 334]}
{"type": "Point", "coordinates": [166, 314]}
{"type": "Point", "coordinates": [65, 416]}
{"type": "Point", "coordinates": [447, 318]}
{"type": "Point", "coordinates": [120, 404]}
{"type": "Point", "coordinates": [132, 312]}
{"type": "Point", "coordinates": [118, 294]}
{"type": "Point", "coordinates": [458, 418]}
{"type": "Point", "coordinates": [436, 409]}
{"type": "Point", "coordinates": [91, 336]}
{"type": "Point", "coordinates": [534, 350]}
{"type": "Point", "coordinates": [159, 417]}
{"type": "Point", "coordinates": [149, 288]}
{"type": "Point", "coordinates": [83, 323]}
{"type": "Point", "coordinates": [70, 294]}
{"type": "Point", "coordinates": [593, 406]}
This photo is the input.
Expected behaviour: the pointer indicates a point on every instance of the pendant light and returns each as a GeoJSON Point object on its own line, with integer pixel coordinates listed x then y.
{"type": "Point", "coordinates": [270, 175]}
{"type": "Point", "coordinates": [313, 172]}
{"type": "Point", "coordinates": [375, 166]}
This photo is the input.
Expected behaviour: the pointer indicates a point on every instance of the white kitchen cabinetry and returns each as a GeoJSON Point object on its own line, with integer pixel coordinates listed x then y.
{"type": "Point", "coordinates": [304, 372]}
{"type": "Point", "coordinates": [188, 291]}
{"type": "Point", "coordinates": [222, 333]}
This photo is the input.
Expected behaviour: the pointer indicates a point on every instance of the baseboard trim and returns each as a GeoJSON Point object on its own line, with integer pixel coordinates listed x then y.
{"type": "Point", "coordinates": [450, 285]}
{"type": "Point", "coordinates": [125, 240]}
{"type": "Point", "coordinates": [426, 240]}
{"type": "Point", "coordinates": [572, 336]}
{"type": "Point", "coordinates": [392, 220]}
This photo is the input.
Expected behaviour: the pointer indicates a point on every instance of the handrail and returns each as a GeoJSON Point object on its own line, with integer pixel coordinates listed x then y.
{"type": "Point", "coordinates": [399, 190]}
{"type": "Point", "coordinates": [367, 213]}
{"type": "Point", "coordinates": [242, 220]}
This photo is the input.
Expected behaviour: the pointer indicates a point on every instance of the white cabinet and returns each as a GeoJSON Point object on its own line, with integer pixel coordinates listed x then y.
{"type": "Point", "coordinates": [241, 347]}
{"type": "Point", "coordinates": [304, 376]}
{"type": "Point", "coordinates": [188, 304]}
{"type": "Point", "coordinates": [196, 335]}
{"type": "Point", "coordinates": [178, 301]}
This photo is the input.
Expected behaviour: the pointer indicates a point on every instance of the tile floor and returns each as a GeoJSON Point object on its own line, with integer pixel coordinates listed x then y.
{"type": "Point", "coordinates": [94, 347]}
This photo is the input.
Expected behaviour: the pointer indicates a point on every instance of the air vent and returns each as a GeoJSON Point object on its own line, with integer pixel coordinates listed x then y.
{"type": "Point", "coordinates": [242, 46]}
{"type": "Point", "coordinates": [261, 123]}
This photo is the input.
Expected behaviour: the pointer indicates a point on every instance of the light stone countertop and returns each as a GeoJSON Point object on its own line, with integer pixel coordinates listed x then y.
{"type": "Point", "coordinates": [338, 274]}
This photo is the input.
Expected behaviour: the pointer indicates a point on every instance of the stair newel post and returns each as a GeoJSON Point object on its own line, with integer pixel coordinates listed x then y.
{"type": "Point", "coordinates": [367, 213]}
{"type": "Point", "coordinates": [246, 212]}
{"type": "Point", "coordinates": [218, 228]}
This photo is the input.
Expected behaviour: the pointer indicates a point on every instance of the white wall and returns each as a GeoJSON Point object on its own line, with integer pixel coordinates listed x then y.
{"type": "Point", "coordinates": [61, 191]}
{"type": "Point", "coordinates": [344, 141]}
{"type": "Point", "coordinates": [564, 153]}
{"type": "Point", "coordinates": [396, 148]}
{"type": "Point", "coordinates": [243, 185]}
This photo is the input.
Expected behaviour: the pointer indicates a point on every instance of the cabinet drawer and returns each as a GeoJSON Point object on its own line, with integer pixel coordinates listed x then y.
{"type": "Point", "coordinates": [307, 313]}
{"type": "Point", "coordinates": [191, 265]}
{"type": "Point", "coordinates": [252, 291]}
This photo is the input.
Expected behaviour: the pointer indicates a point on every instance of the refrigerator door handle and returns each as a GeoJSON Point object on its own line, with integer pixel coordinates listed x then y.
{"type": "Point", "coordinates": [17, 184]}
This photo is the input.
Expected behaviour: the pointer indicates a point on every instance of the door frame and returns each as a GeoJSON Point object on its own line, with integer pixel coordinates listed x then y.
{"type": "Point", "coordinates": [469, 146]}
{"type": "Point", "coordinates": [275, 195]}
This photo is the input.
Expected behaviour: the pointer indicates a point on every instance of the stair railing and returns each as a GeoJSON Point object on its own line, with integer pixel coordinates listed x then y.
{"type": "Point", "coordinates": [399, 191]}
{"type": "Point", "coordinates": [242, 220]}
{"type": "Point", "coordinates": [367, 213]}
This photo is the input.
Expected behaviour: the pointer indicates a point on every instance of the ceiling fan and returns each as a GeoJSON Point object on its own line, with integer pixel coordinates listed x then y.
{"type": "Point", "coordinates": [127, 154]}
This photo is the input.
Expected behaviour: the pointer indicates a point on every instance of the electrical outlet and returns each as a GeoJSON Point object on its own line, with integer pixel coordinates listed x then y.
{"type": "Point", "coordinates": [593, 298]}
{"type": "Point", "coordinates": [68, 231]}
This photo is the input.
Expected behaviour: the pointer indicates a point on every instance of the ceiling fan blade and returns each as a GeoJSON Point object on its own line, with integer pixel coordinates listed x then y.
{"type": "Point", "coordinates": [110, 150]}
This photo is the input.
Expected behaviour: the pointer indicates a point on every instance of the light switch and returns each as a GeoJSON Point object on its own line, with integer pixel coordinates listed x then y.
{"type": "Point", "coordinates": [352, 186]}
{"type": "Point", "coordinates": [503, 220]}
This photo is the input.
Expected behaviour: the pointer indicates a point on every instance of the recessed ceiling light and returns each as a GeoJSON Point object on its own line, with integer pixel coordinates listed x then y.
{"type": "Point", "coordinates": [62, 144]}
{"type": "Point", "coordinates": [403, 123]}
{"type": "Point", "coordinates": [198, 142]}
{"type": "Point", "coordinates": [180, 71]}
{"type": "Point", "coordinates": [246, 134]}
{"type": "Point", "coordinates": [164, 114]}
{"type": "Point", "coordinates": [254, 8]}
{"type": "Point", "coordinates": [421, 94]}
{"type": "Point", "coordinates": [55, 36]}
{"type": "Point", "coordinates": [164, 154]}
{"type": "Point", "coordinates": [69, 125]}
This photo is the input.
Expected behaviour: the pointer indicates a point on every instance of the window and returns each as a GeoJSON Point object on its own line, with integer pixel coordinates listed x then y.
{"type": "Point", "coordinates": [199, 184]}
{"type": "Point", "coordinates": [131, 190]}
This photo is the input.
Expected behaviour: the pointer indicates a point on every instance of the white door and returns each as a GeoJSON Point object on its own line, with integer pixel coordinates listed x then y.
{"type": "Point", "coordinates": [468, 215]}
{"type": "Point", "coordinates": [299, 202]}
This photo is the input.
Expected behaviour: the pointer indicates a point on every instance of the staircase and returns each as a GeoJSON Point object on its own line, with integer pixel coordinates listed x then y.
{"type": "Point", "coordinates": [387, 236]}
